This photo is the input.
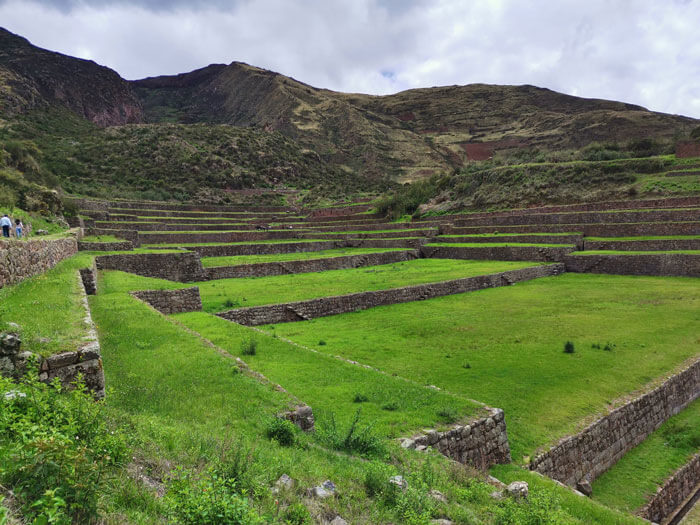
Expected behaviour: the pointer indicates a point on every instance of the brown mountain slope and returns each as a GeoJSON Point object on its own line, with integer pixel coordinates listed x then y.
{"type": "Point", "coordinates": [407, 135]}
{"type": "Point", "coordinates": [31, 77]}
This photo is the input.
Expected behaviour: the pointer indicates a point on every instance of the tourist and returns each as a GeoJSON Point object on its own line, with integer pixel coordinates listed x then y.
{"type": "Point", "coordinates": [6, 223]}
{"type": "Point", "coordinates": [18, 228]}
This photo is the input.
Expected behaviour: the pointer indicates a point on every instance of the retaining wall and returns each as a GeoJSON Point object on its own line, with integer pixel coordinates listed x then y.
{"type": "Point", "coordinates": [586, 218]}
{"type": "Point", "coordinates": [128, 235]}
{"type": "Point", "coordinates": [496, 253]}
{"type": "Point", "coordinates": [660, 244]}
{"type": "Point", "coordinates": [22, 259]}
{"type": "Point", "coordinates": [324, 306]}
{"type": "Point", "coordinates": [243, 236]}
{"type": "Point", "coordinates": [166, 227]}
{"type": "Point", "coordinates": [588, 454]}
{"type": "Point", "coordinates": [590, 230]}
{"type": "Point", "coordinates": [306, 266]}
{"type": "Point", "coordinates": [534, 239]}
{"type": "Point", "coordinates": [662, 264]}
{"type": "Point", "coordinates": [482, 443]}
{"type": "Point", "coordinates": [182, 267]}
{"type": "Point", "coordinates": [670, 497]}
{"type": "Point", "coordinates": [172, 301]}
{"type": "Point", "coordinates": [105, 246]}
{"type": "Point", "coordinates": [369, 235]}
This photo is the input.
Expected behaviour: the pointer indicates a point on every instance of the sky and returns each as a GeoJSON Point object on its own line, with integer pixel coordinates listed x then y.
{"type": "Point", "coordinates": [644, 52]}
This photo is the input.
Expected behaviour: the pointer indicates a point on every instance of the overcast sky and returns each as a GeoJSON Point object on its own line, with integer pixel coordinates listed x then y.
{"type": "Point", "coordinates": [645, 52]}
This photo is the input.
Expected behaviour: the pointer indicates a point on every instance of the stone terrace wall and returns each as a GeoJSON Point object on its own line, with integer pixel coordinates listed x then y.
{"type": "Point", "coordinates": [165, 227]}
{"type": "Point", "coordinates": [590, 230]}
{"type": "Point", "coordinates": [244, 236]}
{"type": "Point", "coordinates": [306, 266]}
{"type": "Point", "coordinates": [495, 253]}
{"type": "Point", "coordinates": [662, 264]}
{"type": "Point", "coordinates": [182, 267]}
{"type": "Point", "coordinates": [105, 246]}
{"type": "Point", "coordinates": [688, 149]}
{"type": "Point", "coordinates": [265, 249]}
{"type": "Point", "coordinates": [588, 454]}
{"type": "Point", "coordinates": [22, 259]}
{"type": "Point", "coordinates": [128, 235]}
{"type": "Point", "coordinates": [340, 210]}
{"type": "Point", "coordinates": [172, 301]}
{"type": "Point", "coordinates": [370, 235]}
{"type": "Point", "coordinates": [661, 245]}
{"type": "Point", "coordinates": [324, 306]}
{"type": "Point", "coordinates": [586, 218]}
{"type": "Point", "coordinates": [672, 495]}
{"type": "Point", "coordinates": [535, 239]}
{"type": "Point", "coordinates": [481, 443]}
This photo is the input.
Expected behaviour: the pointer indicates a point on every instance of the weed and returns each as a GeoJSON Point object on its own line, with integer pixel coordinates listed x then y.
{"type": "Point", "coordinates": [390, 406]}
{"type": "Point", "coordinates": [360, 398]}
{"type": "Point", "coordinates": [282, 431]}
{"type": "Point", "coordinates": [249, 346]}
{"type": "Point", "coordinates": [228, 303]}
{"type": "Point", "coordinates": [297, 514]}
{"type": "Point", "coordinates": [448, 414]}
{"type": "Point", "coordinates": [466, 365]}
{"type": "Point", "coordinates": [569, 347]}
{"type": "Point", "coordinates": [356, 440]}
{"type": "Point", "coordinates": [321, 343]}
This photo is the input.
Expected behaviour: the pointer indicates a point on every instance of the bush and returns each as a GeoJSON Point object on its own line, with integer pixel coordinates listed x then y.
{"type": "Point", "coordinates": [360, 398]}
{"type": "Point", "coordinates": [297, 514]}
{"type": "Point", "coordinates": [249, 346]}
{"type": "Point", "coordinates": [569, 347]}
{"type": "Point", "coordinates": [55, 448]}
{"type": "Point", "coordinates": [207, 499]}
{"type": "Point", "coordinates": [282, 431]}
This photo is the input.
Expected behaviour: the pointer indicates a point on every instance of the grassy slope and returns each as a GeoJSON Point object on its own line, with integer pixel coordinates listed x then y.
{"type": "Point", "coordinates": [635, 478]}
{"type": "Point", "coordinates": [251, 259]}
{"type": "Point", "coordinates": [513, 337]}
{"type": "Point", "coordinates": [298, 287]}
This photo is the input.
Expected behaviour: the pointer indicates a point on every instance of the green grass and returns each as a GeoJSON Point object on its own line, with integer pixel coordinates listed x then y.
{"type": "Point", "coordinates": [224, 294]}
{"type": "Point", "coordinates": [512, 338]}
{"type": "Point", "coordinates": [362, 232]}
{"type": "Point", "coordinates": [634, 479]}
{"type": "Point", "coordinates": [37, 222]}
{"type": "Point", "coordinates": [502, 234]}
{"type": "Point", "coordinates": [330, 385]}
{"type": "Point", "coordinates": [48, 308]}
{"type": "Point", "coordinates": [496, 245]}
{"type": "Point", "coordinates": [634, 252]}
{"type": "Point", "coordinates": [281, 257]}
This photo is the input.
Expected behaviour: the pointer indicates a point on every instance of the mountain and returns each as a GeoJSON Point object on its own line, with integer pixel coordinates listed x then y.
{"type": "Point", "coordinates": [87, 125]}
{"type": "Point", "coordinates": [33, 78]}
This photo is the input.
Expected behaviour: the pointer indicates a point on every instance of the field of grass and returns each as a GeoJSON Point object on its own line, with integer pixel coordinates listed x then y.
{"type": "Point", "coordinates": [224, 294]}
{"type": "Point", "coordinates": [634, 479]}
{"type": "Point", "coordinates": [48, 308]}
{"type": "Point", "coordinates": [504, 346]}
{"type": "Point", "coordinates": [281, 257]}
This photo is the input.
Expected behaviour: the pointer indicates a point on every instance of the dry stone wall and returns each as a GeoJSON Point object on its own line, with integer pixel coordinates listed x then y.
{"type": "Point", "coordinates": [22, 259]}
{"type": "Point", "coordinates": [498, 253]}
{"type": "Point", "coordinates": [481, 443]}
{"type": "Point", "coordinates": [183, 267]}
{"type": "Point", "coordinates": [589, 230]}
{"type": "Point", "coordinates": [670, 498]}
{"type": "Point", "coordinates": [660, 245]}
{"type": "Point", "coordinates": [128, 235]}
{"type": "Point", "coordinates": [324, 306]}
{"type": "Point", "coordinates": [105, 246]}
{"type": "Point", "coordinates": [692, 214]}
{"type": "Point", "coordinates": [243, 236]}
{"type": "Point", "coordinates": [306, 266]}
{"type": "Point", "coordinates": [662, 264]}
{"type": "Point", "coordinates": [588, 454]}
{"type": "Point", "coordinates": [535, 239]}
{"type": "Point", "coordinates": [172, 301]}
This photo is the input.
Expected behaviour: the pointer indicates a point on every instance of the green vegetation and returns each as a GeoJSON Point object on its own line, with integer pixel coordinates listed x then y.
{"type": "Point", "coordinates": [281, 257]}
{"type": "Point", "coordinates": [51, 223]}
{"type": "Point", "coordinates": [101, 238]}
{"type": "Point", "coordinates": [633, 479]}
{"type": "Point", "coordinates": [646, 238]}
{"type": "Point", "coordinates": [48, 308]}
{"type": "Point", "coordinates": [496, 245]}
{"type": "Point", "coordinates": [634, 252]}
{"type": "Point", "coordinates": [254, 291]}
{"type": "Point", "coordinates": [522, 369]}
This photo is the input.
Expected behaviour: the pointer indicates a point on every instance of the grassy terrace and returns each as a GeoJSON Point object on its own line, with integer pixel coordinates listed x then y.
{"type": "Point", "coordinates": [635, 478]}
{"type": "Point", "coordinates": [281, 257]}
{"type": "Point", "coordinates": [264, 241]}
{"type": "Point", "coordinates": [504, 346]}
{"type": "Point", "coordinates": [375, 231]}
{"type": "Point", "coordinates": [633, 252]}
{"type": "Point", "coordinates": [496, 244]}
{"type": "Point", "coordinates": [224, 294]}
{"type": "Point", "coordinates": [502, 234]}
{"type": "Point", "coordinates": [48, 308]}
{"type": "Point", "coordinates": [101, 238]}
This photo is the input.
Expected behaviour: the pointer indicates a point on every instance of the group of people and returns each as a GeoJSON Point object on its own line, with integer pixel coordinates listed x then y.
{"type": "Point", "coordinates": [6, 224]}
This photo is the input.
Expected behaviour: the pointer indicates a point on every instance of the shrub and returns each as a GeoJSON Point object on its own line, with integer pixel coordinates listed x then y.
{"type": "Point", "coordinates": [207, 499]}
{"type": "Point", "coordinates": [390, 406]}
{"type": "Point", "coordinates": [281, 430]}
{"type": "Point", "coordinates": [228, 303]}
{"type": "Point", "coordinates": [249, 346]}
{"type": "Point", "coordinates": [569, 347]}
{"type": "Point", "coordinates": [360, 398]}
{"type": "Point", "coordinates": [321, 343]}
{"type": "Point", "coordinates": [55, 448]}
{"type": "Point", "coordinates": [297, 514]}
{"type": "Point", "coordinates": [448, 414]}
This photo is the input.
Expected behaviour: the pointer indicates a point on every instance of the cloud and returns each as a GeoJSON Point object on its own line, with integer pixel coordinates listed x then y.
{"type": "Point", "coordinates": [638, 51]}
